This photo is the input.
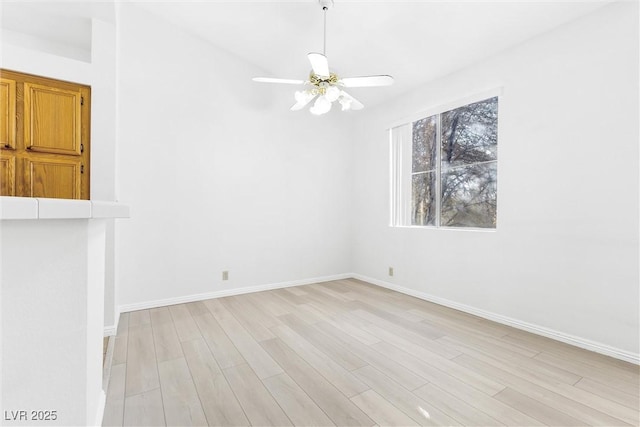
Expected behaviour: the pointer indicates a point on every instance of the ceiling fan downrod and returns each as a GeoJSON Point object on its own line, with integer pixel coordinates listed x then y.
{"type": "Point", "coordinates": [326, 5]}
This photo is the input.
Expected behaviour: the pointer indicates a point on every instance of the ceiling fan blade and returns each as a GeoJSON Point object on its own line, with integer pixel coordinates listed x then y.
{"type": "Point", "coordinates": [302, 103]}
{"type": "Point", "coordinates": [319, 64]}
{"type": "Point", "coordinates": [367, 81]}
{"type": "Point", "coordinates": [354, 103]}
{"type": "Point", "coordinates": [276, 80]}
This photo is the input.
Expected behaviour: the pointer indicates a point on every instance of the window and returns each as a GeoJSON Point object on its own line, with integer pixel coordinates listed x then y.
{"type": "Point", "coordinates": [444, 168]}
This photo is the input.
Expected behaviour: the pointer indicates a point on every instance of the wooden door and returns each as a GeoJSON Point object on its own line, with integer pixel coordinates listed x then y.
{"type": "Point", "coordinates": [7, 137]}
{"type": "Point", "coordinates": [7, 113]}
{"type": "Point", "coordinates": [7, 174]}
{"type": "Point", "coordinates": [45, 137]}
{"type": "Point", "coordinates": [58, 178]}
{"type": "Point", "coordinates": [52, 119]}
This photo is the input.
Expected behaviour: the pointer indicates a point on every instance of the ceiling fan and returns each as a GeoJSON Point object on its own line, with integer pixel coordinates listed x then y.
{"type": "Point", "coordinates": [325, 86]}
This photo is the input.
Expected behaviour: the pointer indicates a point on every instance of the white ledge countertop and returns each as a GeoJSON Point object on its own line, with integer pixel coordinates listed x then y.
{"type": "Point", "coordinates": [41, 208]}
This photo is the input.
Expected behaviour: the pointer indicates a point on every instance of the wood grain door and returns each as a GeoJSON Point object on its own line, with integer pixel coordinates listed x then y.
{"type": "Point", "coordinates": [52, 119]}
{"type": "Point", "coordinates": [7, 174]}
{"type": "Point", "coordinates": [7, 113]}
{"type": "Point", "coordinates": [7, 137]}
{"type": "Point", "coordinates": [45, 137]}
{"type": "Point", "coordinates": [58, 177]}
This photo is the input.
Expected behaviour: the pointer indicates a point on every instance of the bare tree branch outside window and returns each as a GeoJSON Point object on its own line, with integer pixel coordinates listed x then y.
{"type": "Point", "coordinates": [460, 160]}
{"type": "Point", "coordinates": [423, 172]}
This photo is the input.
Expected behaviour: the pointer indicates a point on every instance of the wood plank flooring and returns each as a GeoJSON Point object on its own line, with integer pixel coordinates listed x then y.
{"type": "Point", "coordinates": [348, 353]}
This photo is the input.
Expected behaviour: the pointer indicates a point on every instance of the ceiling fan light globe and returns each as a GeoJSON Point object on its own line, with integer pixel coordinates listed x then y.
{"type": "Point", "coordinates": [321, 106]}
{"type": "Point", "coordinates": [332, 93]}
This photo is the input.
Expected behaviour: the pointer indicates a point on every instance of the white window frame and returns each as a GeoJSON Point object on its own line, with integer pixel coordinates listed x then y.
{"type": "Point", "coordinates": [400, 166]}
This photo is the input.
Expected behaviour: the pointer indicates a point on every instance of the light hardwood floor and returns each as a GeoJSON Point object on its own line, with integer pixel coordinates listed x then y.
{"type": "Point", "coordinates": [349, 353]}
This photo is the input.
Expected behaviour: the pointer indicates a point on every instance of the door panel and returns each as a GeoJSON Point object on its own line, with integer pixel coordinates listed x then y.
{"type": "Point", "coordinates": [7, 175]}
{"type": "Point", "coordinates": [53, 177]}
{"type": "Point", "coordinates": [52, 121]}
{"type": "Point", "coordinates": [7, 113]}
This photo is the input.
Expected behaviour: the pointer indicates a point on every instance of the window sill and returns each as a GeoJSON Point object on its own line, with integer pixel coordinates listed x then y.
{"type": "Point", "coordinates": [428, 227]}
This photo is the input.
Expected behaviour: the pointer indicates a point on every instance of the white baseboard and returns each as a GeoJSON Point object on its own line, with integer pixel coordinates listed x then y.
{"type": "Point", "coordinates": [518, 324]}
{"type": "Point", "coordinates": [100, 412]}
{"type": "Point", "coordinates": [226, 293]}
{"type": "Point", "coordinates": [110, 331]}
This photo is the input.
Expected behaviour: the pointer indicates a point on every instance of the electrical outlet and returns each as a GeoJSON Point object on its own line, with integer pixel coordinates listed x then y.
{"type": "Point", "coordinates": [390, 271]}
{"type": "Point", "coordinates": [225, 275]}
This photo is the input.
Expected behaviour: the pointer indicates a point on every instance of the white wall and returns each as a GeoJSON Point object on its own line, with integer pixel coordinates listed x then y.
{"type": "Point", "coordinates": [104, 146]}
{"type": "Point", "coordinates": [218, 173]}
{"type": "Point", "coordinates": [565, 254]}
{"type": "Point", "coordinates": [52, 319]}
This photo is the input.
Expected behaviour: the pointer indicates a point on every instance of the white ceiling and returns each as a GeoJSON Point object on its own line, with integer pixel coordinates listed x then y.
{"type": "Point", "coordinates": [414, 41]}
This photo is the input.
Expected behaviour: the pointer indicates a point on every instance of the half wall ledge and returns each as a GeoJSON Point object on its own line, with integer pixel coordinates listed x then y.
{"type": "Point", "coordinates": [52, 293]}
{"type": "Point", "coordinates": [15, 208]}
